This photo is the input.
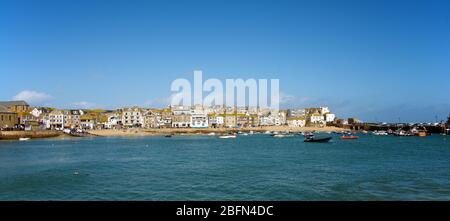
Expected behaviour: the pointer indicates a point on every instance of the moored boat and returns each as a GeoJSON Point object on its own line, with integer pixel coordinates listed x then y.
{"type": "Point", "coordinates": [349, 137]}
{"type": "Point", "coordinates": [402, 133]}
{"type": "Point", "coordinates": [419, 132]}
{"type": "Point", "coordinates": [227, 136]}
{"type": "Point", "coordinates": [318, 139]}
{"type": "Point", "coordinates": [380, 133]}
{"type": "Point", "coordinates": [24, 138]}
{"type": "Point", "coordinates": [282, 135]}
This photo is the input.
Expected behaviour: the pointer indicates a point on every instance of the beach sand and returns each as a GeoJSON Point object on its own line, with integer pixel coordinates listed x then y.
{"type": "Point", "coordinates": [193, 131]}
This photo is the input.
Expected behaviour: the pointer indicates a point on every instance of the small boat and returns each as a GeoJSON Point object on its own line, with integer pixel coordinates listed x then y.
{"type": "Point", "coordinates": [169, 135]}
{"type": "Point", "coordinates": [307, 134]}
{"type": "Point", "coordinates": [446, 132]}
{"type": "Point", "coordinates": [212, 134]}
{"type": "Point", "coordinates": [349, 137]}
{"type": "Point", "coordinates": [422, 134]}
{"type": "Point", "coordinates": [419, 132]}
{"type": "Point", "coordinates": [24, 138]}
{"type": "Point", "coordinates": [227, 136]}
{"type": "Point", "coordinates": [380, 133]}
{"type": "Point", "coordinates": [320, 139]}
{"type": "Point", "coordinates": [402, 133]}
{"type": "Point", "coordinates": [282, 135]}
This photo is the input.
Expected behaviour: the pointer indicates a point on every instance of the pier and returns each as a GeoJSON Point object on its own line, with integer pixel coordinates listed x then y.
{"type": "Point", "coordinates": [441, 128]}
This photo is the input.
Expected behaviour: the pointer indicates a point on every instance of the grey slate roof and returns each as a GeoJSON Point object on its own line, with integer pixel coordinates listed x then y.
{"type": "Point", "coordinates": [4, 109]}
{"type": "Point", "coordinates": [12, 103]}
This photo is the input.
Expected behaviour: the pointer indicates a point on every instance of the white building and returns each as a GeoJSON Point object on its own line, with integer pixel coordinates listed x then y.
{"type": "Point", "coordinates": [57, 119]}
{"type": "Point", "coordinates": [132, 117]}
{"type": "Point", "coordinates": [324, 110]}
{"type": "Point", "coordinates": [265, 121]}
{"type": "Point", "coordinates": [113, 121]}
{"type": "Point", "coordinates": [216, 120]}
{"type": "Point", "coordinates": [199, 119]}
{"type": "Point", "coordinates": [296, 122]}
{"type": "Point", "coordinates": [316, 119]}
{"type": "Point", "coordinates": [274, 118]}
{"type": "Point", "coordinates": [36, 112]}
{"type": "Point", "coordinates": [329, 117]}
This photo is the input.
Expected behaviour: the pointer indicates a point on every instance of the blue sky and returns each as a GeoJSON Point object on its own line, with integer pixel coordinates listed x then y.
{"type": "Point", "coordinates": [375, 60]}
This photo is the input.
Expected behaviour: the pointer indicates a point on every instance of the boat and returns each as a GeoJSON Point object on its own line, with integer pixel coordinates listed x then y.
{"type": "Point", "coordinates": [282, 135]}
{"type": "Point", "coordinates": [212, 134]}
{"type": "Point", "coordinates": [402, 133]}
{"type": "Point", "coordinates": [419, 132]}
{"type": "Point", "coordinates": [422, 134]}
{"type": "Point", "coordinates": [24, 138]}
{"type": "Point", "coordinates": [168, 136]}
{"type": "Point", "coordinates": [446, 132]}
{"type": "Point", "coordinates": [380, 133]}
{"type": "Point", "coordinates": [227, 136]}
{"type": "Point", "coordinates": [349, 137]}
{"type": "Point", "coordinates": [320, 139]}
{"type": "Point", "coordinates": [306, 134]}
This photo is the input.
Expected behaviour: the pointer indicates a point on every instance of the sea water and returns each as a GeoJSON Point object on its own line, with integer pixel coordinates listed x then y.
{"type": "Point", "coordinates": [258, 167]}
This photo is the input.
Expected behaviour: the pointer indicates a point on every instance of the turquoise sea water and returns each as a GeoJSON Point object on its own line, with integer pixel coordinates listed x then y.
{"type": "Point", "coordinates": [257, 167]}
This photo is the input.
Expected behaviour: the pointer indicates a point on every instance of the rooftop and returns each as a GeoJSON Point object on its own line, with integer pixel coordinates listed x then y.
{"type": "Point", "coordinates": [4, 109]}
{"type": "Point", "coordinates": [13, 103]}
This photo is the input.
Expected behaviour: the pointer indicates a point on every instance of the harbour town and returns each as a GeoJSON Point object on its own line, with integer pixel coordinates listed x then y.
{"type": "Point", "coordinates": [19, 120]}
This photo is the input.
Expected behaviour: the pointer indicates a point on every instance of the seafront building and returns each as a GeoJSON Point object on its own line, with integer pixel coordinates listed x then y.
{"type": "Point", "coordinates": [15, 106]}
{"type": "Point", "coordinates": [73, 119]}
{"type": "Point", "coordinates": [132, 117]}
{"type": "Point", "coordinates": [113, 120]}
{"type": "Point", "coordinates": [199, 119]}
{"type": "Point", "coordinates": [18, 114]}
{"type": "Point", "coordinates": [215, 120]}
{"type": "Point", "coordinates": [56, 120]}
{"type": "Point", "coordinates": [8, 118]}
{"type": "Point", "coordinates": [296, 122]}
{"type": "Point", "coordinates": [181, 120]}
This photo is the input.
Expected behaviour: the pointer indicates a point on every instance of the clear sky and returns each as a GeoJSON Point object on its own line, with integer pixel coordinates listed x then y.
{"type": "Point", "coordinates": [375, 60]}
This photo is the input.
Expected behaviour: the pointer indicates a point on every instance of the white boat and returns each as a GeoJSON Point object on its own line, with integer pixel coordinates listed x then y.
{"type": "Point", "coordinates": [283, 135]}
{"type": "Point", "coordinates": [24, 138]}
{"type": "Point", "coordinates": [212, 134]}
{"type": "Point", "coordinates": [244, 134]}
{"type": "Point", "coordinates": [227, 136]}
{"type": "Point", "coordinates": [380, 133]}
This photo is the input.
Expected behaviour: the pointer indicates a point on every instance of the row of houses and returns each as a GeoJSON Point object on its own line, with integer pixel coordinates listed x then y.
{"type": "Point", "coordinates": [19, 113]}
{"type": "Point", "coordinates": [317, 116]}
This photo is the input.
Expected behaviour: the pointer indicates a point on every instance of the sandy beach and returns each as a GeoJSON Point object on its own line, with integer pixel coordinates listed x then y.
{"type": "Point", "coordinates": [14, 135]}
{"type": "Point", "coordinates": [194, 131]}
